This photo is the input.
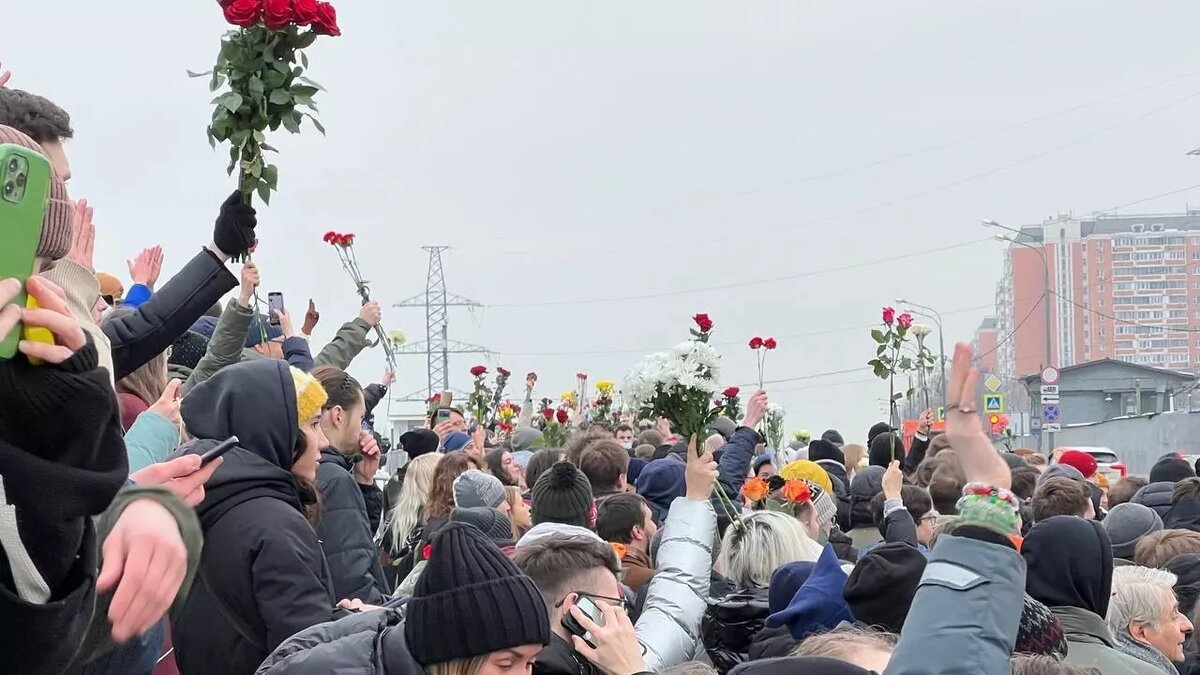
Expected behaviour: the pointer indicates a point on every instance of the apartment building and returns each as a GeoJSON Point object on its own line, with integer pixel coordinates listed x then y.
{"type": "Point", "coordinates": [1121, 287]}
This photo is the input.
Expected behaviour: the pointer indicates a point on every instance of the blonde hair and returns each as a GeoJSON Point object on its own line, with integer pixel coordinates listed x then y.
{"type": "Point", "coordinates": [410, 505]}
{"type": "Point", "coordinates": [471, 666]}
{"type": "Point", "coordinates": [844, 642]}
{"type": "Point", "coordinates": [854, 454]}
{"type": "Point", "coordinates": [512, 495]}
{"type": "Point", "coordinates": [763, 541]}
{"type": "Point", "coordinates": [147, 382]}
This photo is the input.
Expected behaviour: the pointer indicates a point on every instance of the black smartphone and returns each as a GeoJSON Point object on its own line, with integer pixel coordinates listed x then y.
{"type": "Point", "coordinates": [222, 448]}
{"type": "Point", "coordinates": [593, 612]}
{"type": "Point", "coordinates": [274, 304]}
{"type": "Point", "coordinates": [445, 400]}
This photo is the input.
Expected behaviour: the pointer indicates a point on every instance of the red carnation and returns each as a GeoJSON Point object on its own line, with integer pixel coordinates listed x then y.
{"type": "Point", "coordinates": [581, 376]}
{"type": "Point", "coordinates": [756, 343]}
{"type": "Point", "coordinates": [770, 343]}
{"type": "Point", "coordinates": [548, 413]}
{"type": "Point", "coordinates": [704, 323]}
{"type": "Point", "coordinates": [304, 12]}
{"type": "Point", "coordinates": [503, 372]}
{"type": "Point", "coordinates": [731, 392]}
{"type": "Point", "coordinates": [889, 315]}
{"type": "Point", "coordinates": [325, 23]}
{"type": "Point", "coordinates": [277, 14]}
{"type": "Point", "coordinates": [478, 370]}
{"type": "Point", "coordinates": [329, 237]}
{"type": "Point", "coordinates": [905, 320]}
{"type": "Point", "coordinates": [562, 415]}
{"type": "Point", "coordinates": [347, 240]}
{"type": "Point", "coordinates": [243, 13]}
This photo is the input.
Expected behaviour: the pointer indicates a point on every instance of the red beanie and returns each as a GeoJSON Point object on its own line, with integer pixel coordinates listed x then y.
{"type": "Point", "coordinates": [1080, 460]}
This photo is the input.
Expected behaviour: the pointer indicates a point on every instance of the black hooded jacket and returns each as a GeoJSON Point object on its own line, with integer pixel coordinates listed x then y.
{"type": "Point", "coordinates": [731, 624]}
{"type": "Point", "coordinates": [346, 534]}
{"type": "Point", "coordinates": [867, 483]}
{"type": "Point", "coordinates": [1069, 563]}
{"type": "Point", "coordinates": [1184, 515]}
{"type": "Point", "coordinates": [262, 575]}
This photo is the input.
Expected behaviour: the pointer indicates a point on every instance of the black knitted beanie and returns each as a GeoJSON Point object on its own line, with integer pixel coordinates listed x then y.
{"type": "Point", "coordinates": [563, 494]}
{"type": "Point", "coordinates": [471, 600]}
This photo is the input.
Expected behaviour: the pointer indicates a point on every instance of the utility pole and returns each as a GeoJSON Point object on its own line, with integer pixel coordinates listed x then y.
{"type": "Point", "coordinates": [437, 345]}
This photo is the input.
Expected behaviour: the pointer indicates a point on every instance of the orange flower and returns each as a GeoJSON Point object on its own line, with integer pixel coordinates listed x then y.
{"type": "Point", "coordinates": [619, 549]}
{"type": "Point", "coordinates": [755, 489]}
{"type": "Point", "coordinates": [796, 491]}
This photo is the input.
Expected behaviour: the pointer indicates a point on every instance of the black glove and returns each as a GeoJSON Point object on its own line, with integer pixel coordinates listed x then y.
{"type": "Point", "coordinates": [234, 231]}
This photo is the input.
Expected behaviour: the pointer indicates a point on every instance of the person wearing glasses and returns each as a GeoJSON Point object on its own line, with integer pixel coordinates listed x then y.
{"type": "Point", "coordinates": [577, 572]}
{"type": "Point", "coordinates": [903, 513]}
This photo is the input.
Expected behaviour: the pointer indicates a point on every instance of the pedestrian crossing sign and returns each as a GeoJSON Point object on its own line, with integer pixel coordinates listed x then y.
{"type": "Point", "coordinates": [993, 403]}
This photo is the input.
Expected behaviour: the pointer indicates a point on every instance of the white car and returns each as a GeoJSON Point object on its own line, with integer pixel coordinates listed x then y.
{"type": "Point", "coordinates": [1107, 461]}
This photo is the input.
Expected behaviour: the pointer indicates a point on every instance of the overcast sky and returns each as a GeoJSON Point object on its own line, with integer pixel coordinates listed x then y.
{"type": "Point", "coordinates": [575, 152]}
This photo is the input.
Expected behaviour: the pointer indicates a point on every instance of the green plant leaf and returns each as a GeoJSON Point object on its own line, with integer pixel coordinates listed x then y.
{"type": "Point", "coordinates": [305, 40]}
{"type": "Point", "coordinates": [266, 148]}
{"type": "Point", "coordinates": [270, 176]}
{"type": "Point", "coordinates": [909, 394]}
{"type": "Point", "coordinates": [217, 80]}
{"type": "Point", "coordinates": [307, 91]}
{"type": "Point", "coordinates": [280, 97]}
{"type": "Point", "coordinates": [905, 363]}
{"type": "Point", "coordinates": [258, 137]}
{"type": "Point", "coordinates": [316, 123]}
{"type": "Point", "coordinates": [291, 122]}
{"type": "Point", "coordinates": [255, 87]}
{"type": "Point", "coordinates": [281, 67]}
{"type": "Point", "coordinates": [212, 141]}
{"type": "Point", "coordinates": [195, 74]}
{"type": "Point", "coordinates": [303, 59]}
{"type": "Point", "coordinates": [231, 101]}
{"type": "Point", "coordinates": [310, 82]}
{"type": "Point", "coordinates": [880, 350]}
{"type": "Point", "coordinates": [264, 193]}
{"type": "Point", "coordinates": [256, 168]}
{"type": "Point", "coordinates": [878, 336]}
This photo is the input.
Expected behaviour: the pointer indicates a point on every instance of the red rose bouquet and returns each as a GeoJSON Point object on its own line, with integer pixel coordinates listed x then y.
{"type": "Point", "coordinates": [265, 86]}
{"type": "Point", "coordinates": [729, 404]}
{"type": "Point", "coordinates": [481, 396]}
{"type": "Point", "coordinates": [343, 243]}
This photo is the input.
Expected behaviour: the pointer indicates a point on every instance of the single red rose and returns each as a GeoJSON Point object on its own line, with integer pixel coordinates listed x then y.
{"type": "Point", "coordinates": [756, 343]}
{"type": "Point", "coordinates": [548, 413]}
{"type": "Point", "coordinates": [731, 392]}
{"type": "Point", "coordinates": [889, 315]}
{"type": "Point", "coordinates": [224, 3]}
{"type": "Point", "coordinates": [427, 551]}
{"type": "Point", "coordinates": [243, 13]}
{"type": "Point", "coordinates": [704, 323]}
{"type": "Point", "coordinates": [304, 12]}
{"type": "Point", "coordinates": [562, 416]}
{"type": "Point", "coordinates": [905, 320]}
{"type": "Point", "coordinates": [503, 372]}
{"type": "Point", "coordinates": [770, 343]}
{"type": "Point", "coordinates": [277, 14]}
{"type": "Point", "coordinates": [325, 22]}
{"type": "Point", "coordinates": [478, 370]}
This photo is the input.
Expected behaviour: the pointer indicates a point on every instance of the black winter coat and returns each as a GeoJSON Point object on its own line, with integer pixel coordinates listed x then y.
{"type": "Point", "coordinates": [345, 531]}
{"type": "Point", "coordinates": [262, 575]}
{"type": "Point", "coordinates": [841, 490]}
{"type": "Point", "coordinates": [560, 658]}
{"type": "Point", "coordinates": [157, 323]}
{"type": "Point", "coordinates": [730, 625]}
{"type": "Point", "coordinates": [1157, 496]}
{"type": "Point", "coordinates": [867, 483]}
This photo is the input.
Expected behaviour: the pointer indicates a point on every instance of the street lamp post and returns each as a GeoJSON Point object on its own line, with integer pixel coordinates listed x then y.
{"type": "Point", "coordinates": [1045, 295]}
{"type": "Point", "coordinates": [937, 318]}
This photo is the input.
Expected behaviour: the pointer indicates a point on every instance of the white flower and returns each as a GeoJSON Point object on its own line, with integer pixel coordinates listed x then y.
{"type": "Point", "coordinates": [920, 330]}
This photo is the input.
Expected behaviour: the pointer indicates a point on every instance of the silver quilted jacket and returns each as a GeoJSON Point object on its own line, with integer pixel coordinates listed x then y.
{"type": "Point", "coordinates": [669, 626]}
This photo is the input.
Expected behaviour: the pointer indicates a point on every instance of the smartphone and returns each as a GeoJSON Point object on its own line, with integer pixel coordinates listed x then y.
{"type": "Point", "coordinates": [24, 194]}
{"type": "Point", "coordinates": [274, 304]}
{"type": "Point", "coordinates": [445, 400]}
{"type": "Point", "coordinates": [222, 448]}
{"type": "Point", "coordinates": [593, 612]}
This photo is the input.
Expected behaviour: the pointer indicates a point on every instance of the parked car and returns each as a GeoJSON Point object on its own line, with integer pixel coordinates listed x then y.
{"type": "Point", "coordinates": [1107, 461]}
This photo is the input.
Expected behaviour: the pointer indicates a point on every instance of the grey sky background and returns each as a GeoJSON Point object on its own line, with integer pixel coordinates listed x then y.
{"type": "Point", "coordinates": [573, 151]}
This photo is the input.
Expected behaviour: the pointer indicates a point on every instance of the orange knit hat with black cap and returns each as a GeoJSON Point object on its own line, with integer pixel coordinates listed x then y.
{"type": "Point", "coordinates": [56, 225]}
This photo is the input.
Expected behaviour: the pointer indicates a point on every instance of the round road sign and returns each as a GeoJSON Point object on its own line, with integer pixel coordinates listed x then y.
{"type": "Point", "coordinates": [1050, 375]}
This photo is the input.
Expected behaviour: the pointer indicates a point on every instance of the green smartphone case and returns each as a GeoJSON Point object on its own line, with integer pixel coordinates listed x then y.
{"type": "Point", "coordinates": [24, 195]}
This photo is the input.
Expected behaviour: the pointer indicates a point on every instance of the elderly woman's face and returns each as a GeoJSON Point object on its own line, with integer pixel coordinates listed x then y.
{"type": "Point", "coordinates": [1169, 632]}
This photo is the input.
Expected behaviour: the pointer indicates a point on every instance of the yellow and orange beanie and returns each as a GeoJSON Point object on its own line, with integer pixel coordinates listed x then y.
{"type": "Point", "coordinates": [310, 395]}
{"type": "Point", "coordinates": [803, 469]}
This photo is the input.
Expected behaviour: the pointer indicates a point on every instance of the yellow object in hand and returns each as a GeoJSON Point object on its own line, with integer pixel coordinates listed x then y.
{"type": "Point", "coordinates": [35, 333]}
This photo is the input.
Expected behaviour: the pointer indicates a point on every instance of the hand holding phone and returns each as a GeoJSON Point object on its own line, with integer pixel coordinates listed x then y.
{"type": "Point", "coordinates": [222, 448]}
{"type": "Point", "coordinates": [274, 306]}
{"type": "Point", "coordinates": [610, 644]}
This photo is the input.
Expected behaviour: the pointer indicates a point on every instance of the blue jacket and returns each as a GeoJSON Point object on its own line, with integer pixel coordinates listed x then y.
{"type": "Point", "coordinates": [966, 611]}
{"type": "Point", "coordinates": [734, 466]}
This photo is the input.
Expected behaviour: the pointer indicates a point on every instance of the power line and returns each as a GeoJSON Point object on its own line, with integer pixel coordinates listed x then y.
{"type": "Point", "coordinates": [1147, 199]}
{"type": "Point", "coordinates": [1127, 322]}
{"type": "Point", "coordinates": [740, 284]}
{"type": "Point", "coordinates": [1013, 333]}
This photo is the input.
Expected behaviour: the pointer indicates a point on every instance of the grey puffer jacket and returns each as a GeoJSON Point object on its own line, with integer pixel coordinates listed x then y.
{"type": "Point", "coordinates": [1157, 496]}
{"type": "Point", "coordinates": [369, 643]}
{"type": "Point", "coordinates": [1091, 643]}
{"type": "Point", "coordinates": [676, 598]}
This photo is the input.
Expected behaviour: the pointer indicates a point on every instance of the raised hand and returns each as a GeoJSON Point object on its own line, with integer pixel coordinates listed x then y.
{"type": "Point", "coordinates": [964, 429]}
{"type": "Point", "coordinates": [233, 234]}
{"type": "Point", "coordinates": [893, 480]}
{"type": "Point", "coordinates": [167, 405]}
{"type": "Point", "coordinates": [389, 376]}
{"type": "Point", "coordinates": [145, 268]}
{"type": "Point", "coordinates": [4, 77]}
{"type": "Point", "coordinates": [311, 317]}
{"type": "Point", "coordinates": [83, 237]}
{"type": "Point", "coordinates": [285, 323]}
{"type": "Point", "coordinates": [756, 408]}
{"type": "Point", "coordinates": [250, 280]}
{"type": "Point", "coordinates": [701, 474]}
{"type": "Point", "coordinates": [371, 313]}
{"type": "Point", "coordinates": [365, 469]}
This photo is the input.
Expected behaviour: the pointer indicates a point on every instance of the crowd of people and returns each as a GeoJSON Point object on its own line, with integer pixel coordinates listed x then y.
{"type": "Point", "coordinates": [126, 549]}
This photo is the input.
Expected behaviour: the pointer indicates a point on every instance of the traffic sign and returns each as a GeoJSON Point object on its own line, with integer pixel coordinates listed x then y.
{"type": "Point", "coordinates": [1049, 390]}
{"type": "Point", "coordinates": [1050, 375]}
{"type": "Point", "coordinates": [1035, 424]}
{"type": "Point", "coordinates": [1051, 428]}
{"type": "Point", "coordinates": [941, 413]}
{"type": "Point", "coordinates": [1050, 412]}
{"type": "Point", "coordinates": [993, 403]}
{"type": "Point", "coordinates": [993, 383]}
